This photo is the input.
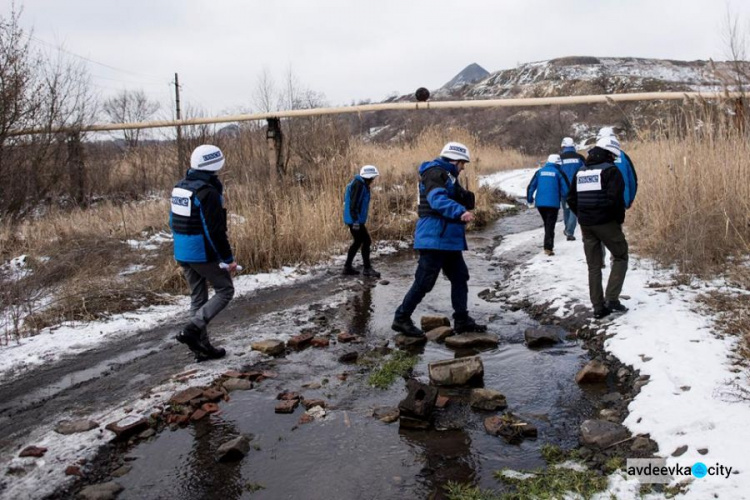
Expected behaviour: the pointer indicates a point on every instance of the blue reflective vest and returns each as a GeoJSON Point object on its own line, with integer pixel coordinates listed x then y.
{"type": "Point", "coordinates": [625, 165]}
{"type": "Point", "coordinates": [356, 201]}
{"type": "Point", "coordinates": [550, 186]}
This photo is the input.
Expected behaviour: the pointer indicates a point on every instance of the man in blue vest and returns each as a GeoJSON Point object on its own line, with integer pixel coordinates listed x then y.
{"type": "Point", "coordinates": [201, 246]}
{"type": "Point", "coordinates": [356, 208]}
{"type": "Point", "coordinates": [597, 199]}
{"type": "Point", "coordinates": [444, 210]}
{"type": "Point", "coordinates": [571, 162]}
{"type": "Point", "coordinates": [551, 187]}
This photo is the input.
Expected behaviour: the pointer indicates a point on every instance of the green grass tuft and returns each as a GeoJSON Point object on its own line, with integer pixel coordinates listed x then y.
{"type": "Point", "coordinates": [458, 491]}
{"type": "Point", "coordinates": [398, 365]}
{"type": "Point", "coordinates": [554, 483]}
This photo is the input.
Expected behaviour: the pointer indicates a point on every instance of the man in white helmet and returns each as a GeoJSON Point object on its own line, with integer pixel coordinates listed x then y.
{"type": "Point", "coordinates": [571, 162]}
{"type": "Point", "coordinates": [596, 197]}
{"type": "Point", "coordinates": [626, 167]}
{"type": "Point", "coordinates": [201, 246]}
{"type": "Point", "coordinates": [356, 208]}
{"type": "Point", "coordinates": [444, 210]}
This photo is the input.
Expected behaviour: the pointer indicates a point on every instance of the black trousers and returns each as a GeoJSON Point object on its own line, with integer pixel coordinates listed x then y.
{"type": "Point", "coordinates": [431, 263]}
{"type": "Point", "coordinates": [549, 216]}
{"type": "Point", "coordinates": [361, 239]}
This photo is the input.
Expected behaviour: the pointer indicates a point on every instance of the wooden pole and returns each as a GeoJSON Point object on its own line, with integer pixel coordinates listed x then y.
{"type": "Point", "coordinates": [182, 165]}
{"type": "Point", "coordinates": [407, 106]}
{"type": "Point", "coordinates": [275, 140]}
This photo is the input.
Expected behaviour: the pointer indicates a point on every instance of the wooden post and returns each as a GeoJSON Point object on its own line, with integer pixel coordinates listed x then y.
{"type": "Point", "coordinates": [275, 140]}
{"type": "Point", "coordinates": [76, 167]}
{"type": "Point", "coordinates": [182, 165]}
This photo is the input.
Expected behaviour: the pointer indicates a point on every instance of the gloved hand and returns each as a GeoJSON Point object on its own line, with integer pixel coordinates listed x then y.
{"type": "Point", "coordinates": [356, 226]}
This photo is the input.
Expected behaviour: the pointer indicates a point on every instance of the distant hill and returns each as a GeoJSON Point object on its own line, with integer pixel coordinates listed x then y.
{"type": "Point", "coordinates": [470, 74]}
{"type": "Point", "coordinates": [539, 129]}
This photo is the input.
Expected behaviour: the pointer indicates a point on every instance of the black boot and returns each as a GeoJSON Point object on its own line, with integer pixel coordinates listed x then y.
{"type": "Point", "coordinates": [370, 273]}
{"type": "Point", "coordinates": [211, 351]}
{"type": "Point", "coordinates": [468, 324]}
{"type": "Point", "coordinates": [350, 271]}
{"type": "Point", "coordinates": [616, 306]}
{"type": "Point", "coordinates": [191, 337]}
{"type": "Point", "coordinates": [601, 311]}
{"type": "Point", "coordinates": [407, 327]}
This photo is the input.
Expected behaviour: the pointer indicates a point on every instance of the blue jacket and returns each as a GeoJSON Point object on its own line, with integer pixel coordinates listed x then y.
{"type": "Point", "coordinates": [550, 185]}
{"type": "Point", "coordinates": [442, 201]}
{"type": "Point", "coordinates": [625, 165]}
{"type": "Point", "coordinates": [198, 219]}
{"type": "Point", "coordinates": [356, 201]}
{"type": "Point", "coordinates": [571, 162]}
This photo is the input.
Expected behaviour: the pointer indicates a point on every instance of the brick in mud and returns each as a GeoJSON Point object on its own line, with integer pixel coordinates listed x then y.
{"type": "Point", "coordinates": [419, 402]}
{"type": "Point", "coordinates": [288, 396]}
{"type": "Point", "coordinates": [33, 451]}
{"type": "Point", "coordinates": [345, 337]}
{"type": "Point", "coordinates": [309, 403]}
{"type": "Point", "coordinates": [300, 341]}
{"type": "Point", "coordinates": [128, 427]}
{"type": "Point", "coordinates": [210, 407]}
{"type": "Point", "coordinates": [320, 342]}
{"type": "Point", "coordinates": [73, 470]}
{"type": "Point", "coordinates": [197, 415]}
{"type": "Point", "coordinates": [287, 406]}
{"type": "Point", "coordinates": [213, 394]}
{"type": "Point", "coordinates": [184, 397]}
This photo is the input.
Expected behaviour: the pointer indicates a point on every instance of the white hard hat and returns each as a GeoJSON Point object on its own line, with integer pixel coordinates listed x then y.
{"type": "Point", "coordinates": [605, 132]}
{"type": "Point", "coordinates": [207, 158]}
{"type": "Point", "coordinates": [567, 142]}
{"type": "Point", "coordinates": [369, 172]}
{"type": "Point", "coordinates": [611, 144]}
{"type": "Point", "coordinates": [455, 151]}
{"type": "Point", "coordinates": [554, 159]}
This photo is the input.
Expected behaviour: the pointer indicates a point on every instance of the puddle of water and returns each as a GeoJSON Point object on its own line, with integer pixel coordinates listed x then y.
{"type": "Point", "coordinates": [352, 455]}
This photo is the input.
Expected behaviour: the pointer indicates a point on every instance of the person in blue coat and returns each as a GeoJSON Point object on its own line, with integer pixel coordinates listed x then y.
{"type": "Point", "coordinates": [626, 167]}
{"type": "Point", "coordinates": [572, 161]}
{"type": "Point", "coordinates": [551, 188]}
{"type": "Point", "coordinates": [444, 210]}
{"type": "Point", "coordinates": [356, 209]}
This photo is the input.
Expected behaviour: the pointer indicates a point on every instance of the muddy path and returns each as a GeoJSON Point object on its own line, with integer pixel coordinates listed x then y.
{"type": "Point", "coordinates": [349, 454]}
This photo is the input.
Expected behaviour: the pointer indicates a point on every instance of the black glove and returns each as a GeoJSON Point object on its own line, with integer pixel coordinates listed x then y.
{"type": "Point", "coordinates": [356, 226]}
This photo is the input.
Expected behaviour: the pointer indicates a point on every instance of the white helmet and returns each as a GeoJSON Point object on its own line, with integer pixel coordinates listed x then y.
{"type": "Point", "coordinates": [611, 144]}
{"type": "Point", "coordinates": [207, 158]}
{"type": "Point", "coordinates": [605, 132]}
{"type": "Point", "coordinates": [568, 142]}
{"type": "Point", "coordinates": [455, 151]}
{"type": "Point", "coordinates": [369, 172]}
{"type": "Point", "coordinates": [554, 159]}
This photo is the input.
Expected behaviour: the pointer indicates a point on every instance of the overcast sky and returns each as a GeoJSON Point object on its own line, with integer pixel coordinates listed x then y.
{"type": "Point", "coordinates": [353, 50]}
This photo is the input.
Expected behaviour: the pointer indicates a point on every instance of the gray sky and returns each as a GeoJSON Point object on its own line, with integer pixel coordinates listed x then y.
{"type": "Point", "coordinates": [352, 50]}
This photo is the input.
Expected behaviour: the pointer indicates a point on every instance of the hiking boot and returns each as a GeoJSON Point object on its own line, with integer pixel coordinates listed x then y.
{"type": "Point", "coordinates": [468, 325]}
{"type": "Point", "coordinates": [407, 327]}
{"type": "Point", "coordinates": [370, 273]}
{"type": "Point", "coordinates": [616, 306]}
{"type": "Point", "coordinates": [601, 311]}
{"type": "Point", "coordinates": [549, 252]}
{"type": "Point", "coordinates": [350, 271]}
{"type": "Point", "coordinates": [210, 351]}
{"type": "Point", "coordinates": [571, 237]}
{"type": "Point", "coordinates": [191, 337]}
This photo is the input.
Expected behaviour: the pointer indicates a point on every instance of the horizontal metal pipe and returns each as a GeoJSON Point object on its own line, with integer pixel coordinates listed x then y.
{"type": "Point", "coordinates": [366, 108]}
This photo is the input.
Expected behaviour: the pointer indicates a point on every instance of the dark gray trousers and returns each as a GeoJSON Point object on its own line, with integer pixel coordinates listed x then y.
{"type": "Point", "coordinates": [611, 236]}
{"type": "Point", "coordinates": [198, 275]}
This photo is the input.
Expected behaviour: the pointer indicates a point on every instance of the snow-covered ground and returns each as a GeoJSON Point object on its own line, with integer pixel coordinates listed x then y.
{"type": "Point", "coordinates": [511, 182]}
{"type": "Point", "coordinates": [692, 396]}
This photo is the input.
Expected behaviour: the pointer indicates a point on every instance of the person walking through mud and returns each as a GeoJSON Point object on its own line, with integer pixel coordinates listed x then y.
{"type": "Point", "coordinates": [201, 247]}
{"type": "Point", "coordinates": [596, 197]}
{"type": "Point", "coordinates": [356, 208]}
{"type": "Point", "coordinates": [444, 210]}
{"type": "Point", "coordinates": [571, 162]}
{"type": "Point", "coordinates": [551, 188]}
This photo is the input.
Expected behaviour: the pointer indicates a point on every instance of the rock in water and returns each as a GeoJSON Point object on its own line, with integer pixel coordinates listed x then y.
{"type": "Point", "coordinates": [386, 414]}
{"type": "Point", "coordinates": [594, 372]}
{"type": "Point", "coordinates": [237, 384]}
{"type": "Point", "coordinates": [466, 340]}
{"type": "Point", "coordinates": [269, 347]}
{"type": "Point", "coordinates": [300, 341]}
{"type": "Point", "coordinates": [103, 491]}
{"type": "Point", "coordinates": [439, 334]}
{"type": "Point", "coordinates": [403, 341]}
{"type": "Point", "coordinates": [75, 426]}
{"type": "Point", "coordinates": [419, 402]}
{"type": "Point", "coordinates": [431, 322]}
{"type": "Point", "coordinates": [602, 433]}
{"type": "Point", "coordinates": [487, 399]}
{"type": "Point", "coordinates": [233, 450]}
{"type": "Point", "coordinates": [460, 371]}
{"type": "Point", "coordinates": [543, 335]}
{"type": "Point", "coordinates": [127, 427]}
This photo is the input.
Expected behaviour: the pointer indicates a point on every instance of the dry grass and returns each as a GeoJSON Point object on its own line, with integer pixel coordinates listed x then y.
{"type": "Point", "coordinates": [295, 220]}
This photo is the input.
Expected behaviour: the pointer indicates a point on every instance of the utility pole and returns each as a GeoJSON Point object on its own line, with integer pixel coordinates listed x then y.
{"type": "Point", "coordinates": [180, 149]}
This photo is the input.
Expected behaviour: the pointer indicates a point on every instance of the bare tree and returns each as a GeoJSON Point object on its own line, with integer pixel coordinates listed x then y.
{"type": "Point", "coordinates": [735, 43]}
{"type": "Point", "coordinates": [265, 96]}
{"type": "Point", "coordinates": [130, 106]}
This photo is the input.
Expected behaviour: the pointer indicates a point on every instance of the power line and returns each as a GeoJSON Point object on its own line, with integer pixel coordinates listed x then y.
{"type": "Point", "coordinates": [109, 66]}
